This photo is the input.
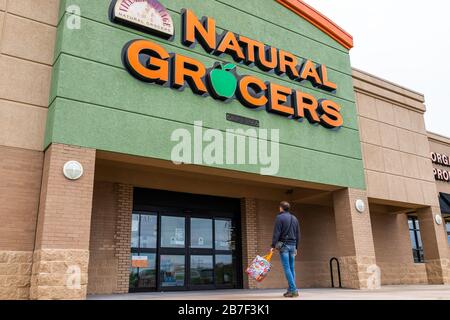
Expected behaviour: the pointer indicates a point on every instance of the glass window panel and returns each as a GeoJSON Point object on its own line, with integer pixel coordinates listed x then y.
{"type": "Point", "coordinates": [172, 270]}
{"type": "Point", "coordinates": [448, 226]}
{"type": "Point", "coordinates": [224, 270]}
{"type": "Point", "coordinates": [149, 226]}
{"type": "Point", "coordinates": [417, 224]}
{"type": "Point", "coordinates": [224, 235]}
{"type": "Point", "coordinates": [201, 233]}
{"type": "Point", "coordinates": [413, 239]}
{"type": "Point", "coordinates": [410, 223]}
{"type": "Point", "coordinates": [147, 276]}
{"type": "Point", "coordinates": [421, 258]}
{"type": "Point", "coordinates": [448, 236]}
{"type": "Point", "coordinates": [419, 239]}
{"type": "Point", "coordinates": [133, 275]}
{"type": "Point", "coordinates": [416, 256]}
{"type": "Point", "coordinates": [143, 270]}
{"type": "Point", "coordinates": [135, 231]}
{"type": "Point", "coordinates": [172, 232]}
{"type": "Point", "coordinates": [201, 270]}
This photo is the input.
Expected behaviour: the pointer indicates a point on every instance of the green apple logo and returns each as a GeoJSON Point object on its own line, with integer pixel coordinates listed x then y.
{"type": "Point", "coordinates": [222, 81]}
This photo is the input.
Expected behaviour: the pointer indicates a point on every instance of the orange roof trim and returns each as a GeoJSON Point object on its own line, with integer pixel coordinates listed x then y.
{"type": "Point", "coordinates": [319, 20]}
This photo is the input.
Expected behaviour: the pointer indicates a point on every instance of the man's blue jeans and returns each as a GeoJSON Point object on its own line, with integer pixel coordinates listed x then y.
{"type": "Point", "coordinates": [287, 254]}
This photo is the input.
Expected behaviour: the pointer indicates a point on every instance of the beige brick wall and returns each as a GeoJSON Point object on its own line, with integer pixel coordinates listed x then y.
{"type": "Point", "coordinates": [63, 232]}
{"type": "Point", "coordinates": [318, 243]}
{"type": "Point", "coordinates": [316, 248]}
{"type": "Point", "coordinates": [394, 251]}
{"type": "Point", "coordinates": [20, 183]}
{"type": "Point", "coordinates": [65, 206]}
{"type": "Point", "coordinates": [354, 238]}
{"type": "Point", "coordinates": [109, 263]}
{"type": "Point", "coordinates": [249, 237]}
{"type": "Point", "coordinates": [435, 246]}
{"type": "Point", "coordinates": [103, 262]}
{"type": "Point", "coordinates": [124, 194]}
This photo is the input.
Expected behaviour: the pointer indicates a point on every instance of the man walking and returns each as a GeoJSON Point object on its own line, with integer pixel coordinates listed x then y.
{"type": "Point", "coordinates": [286, 235]}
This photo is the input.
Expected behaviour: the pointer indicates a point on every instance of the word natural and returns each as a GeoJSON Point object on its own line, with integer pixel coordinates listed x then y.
{"type": "Point", "coordinates": [150, 62]}
{"type": "Point", "coordinates": [251, 52]}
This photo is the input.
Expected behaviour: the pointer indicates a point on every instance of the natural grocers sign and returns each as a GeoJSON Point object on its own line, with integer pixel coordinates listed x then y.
{"type": "Point", "coordinates": [152, 63]}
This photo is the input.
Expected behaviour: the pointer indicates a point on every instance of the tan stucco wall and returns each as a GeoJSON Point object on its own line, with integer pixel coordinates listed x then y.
{"type": "Point", "coordinates": [27, 41]}
{"type": "Point", "coordinates": [394, 142]}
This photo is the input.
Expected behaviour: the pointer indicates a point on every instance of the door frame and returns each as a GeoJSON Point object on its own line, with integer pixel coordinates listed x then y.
{"type": "Point", "coordinates": [188, 213]}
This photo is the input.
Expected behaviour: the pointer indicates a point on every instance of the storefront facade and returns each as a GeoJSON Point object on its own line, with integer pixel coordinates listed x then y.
{"type": "Point", "coordinates": [151, 98]}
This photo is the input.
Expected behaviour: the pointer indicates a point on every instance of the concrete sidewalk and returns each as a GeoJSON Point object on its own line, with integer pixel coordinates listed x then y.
{"type": "Point", "coordinates": [420, 292]}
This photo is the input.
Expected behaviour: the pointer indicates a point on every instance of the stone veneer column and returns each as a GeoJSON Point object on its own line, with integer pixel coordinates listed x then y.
{"type": "Point", "coordinates": [355, 240]}
{"type": "Point", "coordinates": [61, 256]}
{"type": "Point", "coordinates": [123, 236]}
{"type": "Point", "coordinates": [249, 238]}
{"type": "Point", "coordinates": [435, 246]}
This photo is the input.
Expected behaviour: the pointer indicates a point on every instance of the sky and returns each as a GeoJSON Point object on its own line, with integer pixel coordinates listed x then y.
{"type": "Point", "coordinates": [403, 41]}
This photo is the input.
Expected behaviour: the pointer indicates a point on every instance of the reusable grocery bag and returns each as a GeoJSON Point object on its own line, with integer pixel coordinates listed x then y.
{"type": "Point", "coordinates": [260, 267]}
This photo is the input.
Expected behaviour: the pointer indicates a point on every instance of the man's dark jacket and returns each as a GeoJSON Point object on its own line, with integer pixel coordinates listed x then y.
{"type": "Point", "coordinates": [281, 232]}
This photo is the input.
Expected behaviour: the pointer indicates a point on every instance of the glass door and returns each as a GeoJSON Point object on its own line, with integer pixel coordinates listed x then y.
{"type": "Point", "coordinates": [144, 235]}
{"type": "Point", "coordinates": [201, 250]}
{"type": "Point", "coordinates": [225, 261]}
{"type": "Point", "coordinates": [172, 253]}
{"type": "Point", "coordinates": [212, 253]}
{"type": "Point", "coordinates": [182, 251]}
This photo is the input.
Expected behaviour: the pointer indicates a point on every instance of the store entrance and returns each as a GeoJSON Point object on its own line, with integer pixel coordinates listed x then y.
{"type": "Point", "coordinates": [188, 244]}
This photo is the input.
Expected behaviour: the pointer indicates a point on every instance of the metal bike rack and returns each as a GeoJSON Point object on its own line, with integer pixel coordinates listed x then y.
{"type": "Point", "coordinates": [339, 272]}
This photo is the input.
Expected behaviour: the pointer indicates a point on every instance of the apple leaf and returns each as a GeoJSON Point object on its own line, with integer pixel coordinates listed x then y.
{"type": "Point", "coordinates": [229, 67]}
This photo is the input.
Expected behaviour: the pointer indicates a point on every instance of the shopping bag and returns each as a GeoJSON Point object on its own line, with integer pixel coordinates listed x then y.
{"type": "Point", "coordinates": [260, 267]}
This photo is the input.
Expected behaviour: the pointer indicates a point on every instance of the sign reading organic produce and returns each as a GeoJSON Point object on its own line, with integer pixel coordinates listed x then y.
{"type": "Point", "coordinates": [444, 161]}
{"type": "Point", "coordinates": [152, 63]}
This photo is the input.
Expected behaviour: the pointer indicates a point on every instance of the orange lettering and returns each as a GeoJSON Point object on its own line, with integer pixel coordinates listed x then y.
{"type": "Point", "coordinates": [278, 96]}
{"type": "Point", "coordinates": [204, 31]}
{"type": "Point", "coordinates": [250, 47]}
{"type": "Point", "coordinates": [254, 99]}
{"type": "Point", "coordinates": [185, 69]}
{"type": "Point", "coordinates": [306, 107]}
{"type": "Point", "coordinates": [326, 84]}
{"type": "Point", "coordinates": [331, 116]}
{"type": "Point", "coordinates": [157, 68]}
{"type": "Point", "coordinates": [267, 58]}
{"type": "Point", "coordinates": [309, 72]}
{"type": "Point", "coordinates": [287, 64]}
{"type": "Point", "coordinates": [230, 45]}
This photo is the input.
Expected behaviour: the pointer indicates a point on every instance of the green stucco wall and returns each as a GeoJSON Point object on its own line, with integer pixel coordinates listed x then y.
{"type": "Point", "coordinates": [95, 103]}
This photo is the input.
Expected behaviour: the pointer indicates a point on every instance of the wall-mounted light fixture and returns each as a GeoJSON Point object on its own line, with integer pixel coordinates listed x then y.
{"type": "Point", "coordinates": [73, 170]}
{"type": "Point", "coordinates": [360, 206]}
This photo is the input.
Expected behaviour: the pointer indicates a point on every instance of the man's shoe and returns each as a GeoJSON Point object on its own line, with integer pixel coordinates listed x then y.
{"type": "Point", "coordinates": [291, 294]}
{"type": "Point", "coordinates": [286, 294]}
